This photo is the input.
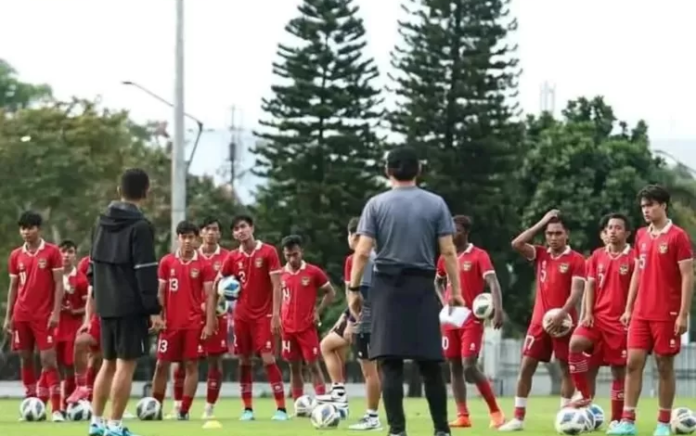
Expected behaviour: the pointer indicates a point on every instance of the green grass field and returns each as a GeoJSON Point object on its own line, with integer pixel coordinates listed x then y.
{"type": "Point", "coordinates": [539, 420]}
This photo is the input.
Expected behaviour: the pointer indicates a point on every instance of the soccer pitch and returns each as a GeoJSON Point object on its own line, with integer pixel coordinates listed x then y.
{"type": "Point", "coordinates": [540, 416]}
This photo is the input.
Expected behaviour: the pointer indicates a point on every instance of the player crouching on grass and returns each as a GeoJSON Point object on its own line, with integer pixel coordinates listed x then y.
{"type": "Point", "coordinates": [185, 283]}
{"type": "Point", "coordinates": [301, 283]}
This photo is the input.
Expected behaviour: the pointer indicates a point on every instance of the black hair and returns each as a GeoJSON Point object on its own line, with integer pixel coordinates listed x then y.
{"type": "Point", "coordinates": [558, 220]}
{"type": "Point", "coordinates": [464, 221]}
{"type": "Point", "coordinates": [67, 244]}
{"type": "Point", "coordinates": [654, 193]}
{"type": "Point", "coordinates": [291, 241]}
{"type": "Point", "coordinates": [353, 225]}
{"type": "Point", "coordinates": [134, 184]}
{"type": "Point", "coordinates": [242, 218]}
{"type": "Point", "coordinates": [208, 221]}
{"type": "Point", "coordinates": [604, 222]}
{"type": "Point", "coordinates": [29, 219]}
{"type": "Point", "coordinates": [403, 164]}
{"type": "Point", "coordinates": [186, 228]}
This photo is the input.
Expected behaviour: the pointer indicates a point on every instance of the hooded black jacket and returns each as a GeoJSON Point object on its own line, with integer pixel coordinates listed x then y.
{"type": "Point", "coordinates": [123, 268]}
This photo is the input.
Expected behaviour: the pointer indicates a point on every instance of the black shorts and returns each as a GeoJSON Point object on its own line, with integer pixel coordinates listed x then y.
{"type": "Point", "coordinates": [125, 338]}
{"type": "Point", "coordinates": [361, 345]}
{"type": "Point", "coordinates": [341, 328]}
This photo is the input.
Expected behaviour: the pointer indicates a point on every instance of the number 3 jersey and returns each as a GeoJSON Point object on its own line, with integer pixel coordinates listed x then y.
{"type": "Point", "coordinates": [184, 295]}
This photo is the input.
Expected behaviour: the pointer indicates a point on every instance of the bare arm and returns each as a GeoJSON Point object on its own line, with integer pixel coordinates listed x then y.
{"type": "Point", "coordinates": [633, 289]}
{"type": "Point", "coordinates": [11, 296]}
{"type": "Point", "coordinates": [89, 306]}
{"type": "Point", "coordinates": [496, 292]}
{"type": "Point", "coordinates": [277, 292]}
{"type": "Point", "coordinates": [210, 302]}
{"type": "Point", "coordinates": [686, 268]}
{"type": "Point", "coordinates": [360, 259]}
{"type": "Point", "coordinates": [589, 297]}
{"type": "Point", "coordinates": [161, 288]}
{"type": "Point", "coordinates": [58, 290]}
{"type": "Point", "coordinates": [521, 243]}
{"type": "Point", "coordinates": [449, 254]}
{"type": "Point", "coordinates": [327, 298]}
{"type": "Point", "coordinates": [576, 289]}
{"type": "Point", "coordinates": [440, 285]}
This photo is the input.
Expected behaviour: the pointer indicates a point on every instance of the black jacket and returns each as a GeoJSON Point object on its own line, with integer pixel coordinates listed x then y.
{"type": "Point", "coordinates": [123, 267]}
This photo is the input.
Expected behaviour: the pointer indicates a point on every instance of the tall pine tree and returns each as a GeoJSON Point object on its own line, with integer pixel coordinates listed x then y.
{"type": "Point", "coordinates": [455, 84]}
{"type": "Point", "coordinates": [319, 151]}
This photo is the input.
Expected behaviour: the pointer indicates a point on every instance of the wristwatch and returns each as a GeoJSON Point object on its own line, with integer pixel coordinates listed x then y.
{"type": "Point", "coordinates": [354, 288]}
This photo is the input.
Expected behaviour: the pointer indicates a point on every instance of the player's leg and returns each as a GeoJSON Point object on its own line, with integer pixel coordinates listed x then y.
{"type": "Point", "coordinates": [263, 343]}
{"type": "Point", "coordinates": [81, 358]}
{"type": "Point", "coordinates": [308, 342]}
{"type": "Point", "coordinates": [42, 391]}
{"type": "Point", "coordinates": [290, 352]}
{"type": "Point", "coordinates": [94, 364]}
{"type": "Point", "coordinates": [105, 376]}
{"type": "Point", "coordinates": [23, 345]}
{"type": "Point", "coordinates": [472, 339]}
{"type": "Point", "coordinates": [45, 342]}
{"type": "Point", "coordinates": [451, 348]}
{"type": "Point", "coordinates": [666, 346]}
{"type": "Point", "coordinates": [332, 348]}
{"type": "Point", "coordinates": [244, 349]}
{"type": "Point", "coordinates": [537, 347]}
{"type": "Point", "coordinates": [613, 349]}
{"type": "Point", "coordinates": [581, 343]}
{"type": "Point", "coordinates": [66, 360]}
{"type": "Point", "coordinates": [215, 348]}
{"type": "Point", "coordinates": [191, 352]}
{"type": "Point", "coordinates": [618, 378]}
{"type": "Point", "coordinates": [178, 373]}
{"type": "Point", "coordinates": [373, 389]}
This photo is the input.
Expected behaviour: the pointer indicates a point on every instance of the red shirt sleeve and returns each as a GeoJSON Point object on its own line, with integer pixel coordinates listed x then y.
{"type": "Point", "coordinates": [590, 268]}
{"type": "Point", "coordinates": [347, 268]}
{"type": "Point", "coordinates": [208, 274]}
{"type": "Point", "coordinates": [162, 270]}
{"type": "Point", "coordinates": [12, 264]}
{"type": "Point", "coordinates": [578, 267]}
{"type": "Point", "coordinates": [273, 260]}
{"type": "Point", "coordinates": [539, 252]}
{"type": "Point", "coordinates": [82, 286]}
{"type": "Point", "coordinates": [320, 278]}
{"type": "Point", "coordinates": [55, 261]}
{"type": "Point", "coordinates": [226, 270]}
{"type": "Point", "coordinates": [485, 264]}
{"type": "Point", "coordinates": [441, 271]}
{"type": "Point", "coordinates": [683, 246]}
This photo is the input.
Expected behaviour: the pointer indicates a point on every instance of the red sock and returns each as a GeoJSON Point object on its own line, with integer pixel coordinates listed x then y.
{"type": "Point", "coordinates": [68, 389]}
{"type": "Point", "coordinates": [246, 385]}
{"type": "Point", "coordinates": [486, 392]}
{"type": "Point", "coordinates": [29, 381]}
{"type": "Point", "coordinates": [275, 378]}
{"type": "Point", "coordinates": [185, 404]}
{"type": "Point", "coordinates": [297, 392]}
{"type": "Point", "coordinates": [664, 416]}
{"type": "Point", "coordinates": [462, 410]}
{"type": "Point", "coordinates": [319, 388]}
{"type": "Point", "coordinates": [42, 391]}
{"type": "Point", "coordinates": [91, 376]}
{"type": "Point", "coordinates": [578, 365]}
{"type": "Point", "coordinates": [53, 381]}
{"type": "Point", "coordinates": [617, 399]}
{"type": "Point", "coordinates": [628, 414]}
{"type": "Point", "coordinates": [81, 380]}
{"type": "Point", "coordinates": [178, 388]}
{"type": "Point", "coordinates": [214, 381]}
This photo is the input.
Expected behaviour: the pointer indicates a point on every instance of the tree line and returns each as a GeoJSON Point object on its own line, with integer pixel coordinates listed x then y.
{"type": "Point", "coordinates": [452, 94]}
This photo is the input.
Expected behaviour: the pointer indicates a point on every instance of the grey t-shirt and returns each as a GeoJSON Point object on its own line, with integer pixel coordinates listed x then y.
{"type": "Point", "coordinates": [406, 224]}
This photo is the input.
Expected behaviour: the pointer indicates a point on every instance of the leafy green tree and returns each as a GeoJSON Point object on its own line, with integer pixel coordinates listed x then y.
{"type": "Point", "coordinates": [318, 151]}
{"type": "Point", "coordinates": [15, 94]}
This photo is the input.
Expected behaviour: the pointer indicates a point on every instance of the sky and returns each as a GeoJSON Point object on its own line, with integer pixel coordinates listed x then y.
{"type": "Point", "coordinates": [638, 54]}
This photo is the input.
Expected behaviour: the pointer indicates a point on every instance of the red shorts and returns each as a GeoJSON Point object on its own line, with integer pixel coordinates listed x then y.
{"type": "Point", "coordinates": [302, 345]}
{"type": "Point", "coordinates": [655, 336]}
{"type": "Point", "coordinates": [253, 336]}
{"type": "Point", "coordinates": [29, 334]}
{"type": "Point", "coordinates": [95, 332]}
{"type": "Point", "coordinates": [65, 353]}
{"type": "Point", "coordinates": [179, 345]}
{"type": "Point", "coordinates": [541, 346]}
{"type": "Point", "coordinates": [216, 345]}
{"type": "Point", "coordinates": [464, 342]}
{"type": "Point", "coordinates": [609, 344]}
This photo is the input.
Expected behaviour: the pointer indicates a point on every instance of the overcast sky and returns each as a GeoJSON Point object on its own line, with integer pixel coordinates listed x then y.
{"type": "Point", "coordinates": [639, 54]}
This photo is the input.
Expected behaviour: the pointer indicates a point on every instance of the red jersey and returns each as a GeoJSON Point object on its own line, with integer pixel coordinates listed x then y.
{"type": "Point", "coordinates": [659, 284]}
{"type": "Point", "coordinates": [300, 296]}
{"type": "Point", "coordinates": [611, 274]}
{"type": "Point", "coordinates": [75, 297]}
{"type": "Point", "coordinates": [253, 270]}
{"type": "Point", "coordinates": [83, 265]}
{"type": "Point", "coordinates": [36, 287]}
{"type": "Point", "coordinates": [474, 265]}
{"type": "Point", "coordinates": [215, 261]}
{"type": "Point", "coordinates": [554, 282]}
{"type": "Point", "coordinates": [347, 268]}
{"type": "Point", "coordinates": [184, 294]}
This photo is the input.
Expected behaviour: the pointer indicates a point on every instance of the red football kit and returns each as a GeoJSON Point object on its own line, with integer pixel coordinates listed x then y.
{"type": "Point", "coordinates": [611, 274]}
{"type": "Point", "coordinates": [35, 295]}
{"type": "Point", "coordinates": [555, 276]}
{"type": "Point", "coordinates": [347, 268]}
{"type": "Point", "coordinates": [216, 345]}
{"type": "Point", "coordinates": [83, 265]}
{"type": "Point", "coordinates": [183, 296]}
{"type": "Point", "coordinates": [254, 308]}
{"type": "Point", "coordinates": [300, 289]}
{"type": "Point", "coordinates": [658, 301]}
{"type": "Point", "coordinates": [474, 265]}
{"type": "Point", "coordinates": [94, 330]}
{"type": "Point", "coordinates": [75, 286]}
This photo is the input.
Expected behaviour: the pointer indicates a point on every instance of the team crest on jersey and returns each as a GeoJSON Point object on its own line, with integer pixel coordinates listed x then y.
{"type": "Point", "coordinates": [194, 273]}
{"type": "Point", "coordinates": [172, 272]}
{"type": "Point", "coordinates": [466, 266]}
{"type": "Point", "coordinates": [217, 266]}
{"type": "Point", "coordinates": [258, 262]}
{"type": "Point", "coordinates": [600, 267]}
{"type": "Point", "coordinates": [240, 265]}
{"type": "Point", "coordinates": [662, 248]}
{"type": "Point", "coordinates": [623, 269]}
{"type": "Point", "coordinates": [42, 263]}
{"type": "Point", "coordinates": [305, 281]}
{"type": "Point", "coordinates": [563, 268]}
{"type": "Point", "coordinates": [21, 266]}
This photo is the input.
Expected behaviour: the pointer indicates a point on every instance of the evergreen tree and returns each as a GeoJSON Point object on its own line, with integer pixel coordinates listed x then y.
{"type": "Point", "coordinates": [319, 152]}
{"type": "Point", "coordinates": [455, 86]}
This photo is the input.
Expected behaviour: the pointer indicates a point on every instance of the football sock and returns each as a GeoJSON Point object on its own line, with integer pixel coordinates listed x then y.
{"type": "Point", "coordinates": [214, 382]}
{"type": "Point", "coordinates": [179, 377]}
{"type": "Point", "coordinates": [664, 416]}
{"type": "Point", "coordinates": [29, 381]}
{"type": "Point", "coordinates": [68, 389]}
{"type": "Point", "coordinates": [520, 408]}
{"type": "Point", "coordinates": [486, 391]}
{"type": "Point", "coordinates": [617, 399]}
{"type": "Point", "coordinates": [246, 385]}
{"type": "Point", "coordinates": [319, 388]}
{"type": "Point", "coordinates": [629, 414]}
{"type": "Point", "coordinates": [42, 391]}
{"type": "Point", "coordinates": [578, 365]}
{"type": "Point", "coordinates": [275, 378]}
{"type": "Point", "coordinates": [53, 382]}
{"type": "Point", "coordinates": [462, 409]}
{"type": "Point", "coordinates": [185, 404]}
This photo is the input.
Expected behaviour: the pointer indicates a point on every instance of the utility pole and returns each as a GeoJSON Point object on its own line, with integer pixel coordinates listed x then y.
{"type": "Point", "coordinates": [178, 201]}
{"type": "Point", "coordinates": [547, 98]}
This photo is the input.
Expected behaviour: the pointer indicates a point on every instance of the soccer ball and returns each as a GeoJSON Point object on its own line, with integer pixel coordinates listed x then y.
{"type": "Point", "coordinates": [683, 423]}
{"type": "Point", "coordinates": [80, 411]}
{"type": "Point", "coordinates": [566, 327]}
{"type": "Point", "coordinates": [598, 414]}
{"type": "Point", "coordinates": [483, 306]}
{"type": "Point", "coordinates": [571, 421]}
{"type": "Point", "coordinates": [679, 411]}
{"type": "Point", "coordinates": [32, 409]}
{"type": "Point", "coordinates": [221, 307]}
{"type": "Point", "coordinates": [324, 416]}
{"type": "Point", "coordinates": [589, 419]}
{"type": "Point", "coordinates": [148, 409]}
{"type": "Point", "coordinates": [342, 410]}
{"type": "Point", "coordinates": [229, 288]}
{"type": "Point", "coordinates": [304, 406]}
